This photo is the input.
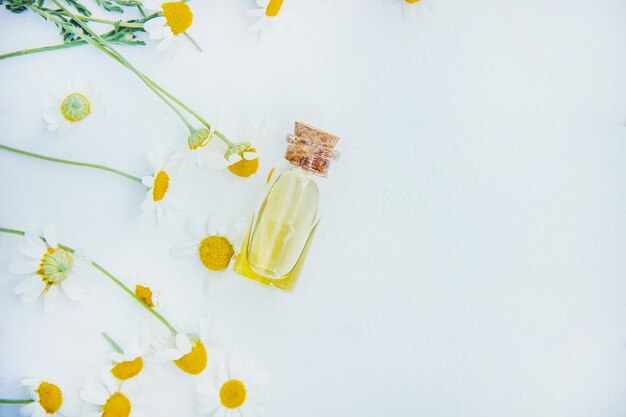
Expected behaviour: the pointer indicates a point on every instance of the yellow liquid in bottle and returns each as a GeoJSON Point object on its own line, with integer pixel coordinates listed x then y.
{"type": "Point", "coordinates": [276, 244]}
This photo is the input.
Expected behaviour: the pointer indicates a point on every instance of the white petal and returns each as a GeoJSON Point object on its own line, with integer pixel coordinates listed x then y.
{"type": "Point", "coordinates": [148, 181]}
{"type": "Point", "coordinates": [35, 241]}
{"type": "Point", "coordinates": [24, 267]}
{"type": "Point", "coordinates": [32, 294]}
{"type": "Point", "coordinates": [161, 33]}
{"type": "Point", "coordinates": [110, 382]}
{"type": "Point", "coordinates": [184, 250]}
{"type": "Point", "coordinates": [182, 343]}
{"type": "Point", "coordinates": [50, 235]}
{"type": "Point", "coordinates": [52, 115]}
{"type": "Point", "coordinates": [117, 357]}
{"type": "Point", "coordinates": [28, 284]}
{"type": "Point", "coordinates": [132, 351]}
{"type": "Point", "coordinates": [234, 158]}
{"type": "Point", "coordinates": [73, 288]}
{"type": "Point", "coordinates": [154, 23]}
{"type": "Point", "coordinates": [29, 409]}
{"type": "Point", "coordinates": [221, 412]}
{"type": "Point", "coordinates": [170, 354]}
{"type": "Point", "coordinates": [250, 155]}
{"type": "Point", "coordinates": [51, 298]}
{"type": "Point", "coordinates": [94, 396]}
{"type": "Point", "coordinates": [166, 44]}
{"type": "Point", "coordinates": [258, 26]}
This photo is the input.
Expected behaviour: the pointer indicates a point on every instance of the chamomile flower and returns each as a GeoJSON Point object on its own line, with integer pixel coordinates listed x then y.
{"type": "Point", "coordinates": [146, 295]}
{"type": "Point", "coordinates": [51, 269]}
{"type": "Point", "coordinates": [204, 149]}
{"type": "Point", "coordinates": [236, 390]}
{"type": "Point", "coordinates": [129, 362]}
{"type": "Point", "coordinates": [111, 396]}
{"type": "Point", "coordinates": [244, 162]}
{"type": "Point", "coordinates": [413, 8]}
{"type": "Point", "coordinates": [159, 198]}
{"type": "Point", "coordinates": [189, 353]}
{"type": "Point", "coordinates": [47, 399]}
{"type": "Point", "coordinates": [213, 243]}
{"type": "Point", "coordinates": [272, 16]}
{"type": "Point", "coordinates": [175, 17]}
{"type": "Point", "coordinates": [71, 103]}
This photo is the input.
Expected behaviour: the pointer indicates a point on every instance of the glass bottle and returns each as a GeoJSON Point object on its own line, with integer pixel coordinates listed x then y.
{"type": "Point", "coordinates": [282, 228]}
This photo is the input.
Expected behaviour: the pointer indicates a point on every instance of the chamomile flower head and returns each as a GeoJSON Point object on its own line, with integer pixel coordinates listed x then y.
{"type": "Point", "coordinates": [110, 397]}
{"type": "Point", "coordinates": [129, 362]}
{"type": "Point", "coordinates": [412, 8]}
{"type": "Point", "coordinates": [238, 389]}
{"type": "Point", "coordinates": [48, 399]}
{"type": "Point", "coordinates": [146, 295]}
{"type": "Point", "coordinates": [244, 159]}
{"type": "Point", "coordinates": [72, 102]}
{"type": "Point", "coordinates": [160, 197]}
{"type": "Point", "coordinates": [272, 15]}
{"type": "Point", "coordinates": [175, 17]}
{"type": "Point", "coordinates": [204, 149]}
{"type": "Point", "coordinates": [189, 348]}
{"type": "Point", "coordinates": [51, 269]}
{"type": "Point", "coordinates": [213, 242]}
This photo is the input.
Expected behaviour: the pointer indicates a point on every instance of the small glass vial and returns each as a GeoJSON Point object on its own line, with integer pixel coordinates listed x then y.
{"type": "Point", "coordinates": [282, 228]}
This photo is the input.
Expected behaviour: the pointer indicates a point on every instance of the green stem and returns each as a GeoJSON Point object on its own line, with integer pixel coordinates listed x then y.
{"type": "Point", "coordinates": [108, 275]}
{"type": "Point", "coordinates": [41, 49]}
{"type": "Point", "coordinates": [112, 342]}
{"type": "Point", "coordinates": [132, 294]}
{"type": "Point", "coordinates": [105, 45]}
{"type": "Point", "coordinates": [11, 231]}
{"type": "Point", "coordinates": [113, 22]}
{"type": "Point", "coordinates": [24, 401]}
{"type": "Point", "coordinates": [65, 161]}
{"type": "Point", "coordinates": [193, 41]}
{"type": "Point", "coordinates": [224, 138]}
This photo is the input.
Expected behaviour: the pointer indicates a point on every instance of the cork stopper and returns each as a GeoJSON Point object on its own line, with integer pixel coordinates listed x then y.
{"type": "Point", "coordinates": [311, 148]}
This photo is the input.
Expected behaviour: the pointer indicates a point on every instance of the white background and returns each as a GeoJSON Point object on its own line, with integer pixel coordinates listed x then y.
{"type": "Point", "coordinates": [471, 260]}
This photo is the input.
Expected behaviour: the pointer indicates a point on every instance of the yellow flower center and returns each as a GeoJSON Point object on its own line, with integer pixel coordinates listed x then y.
{"type": "Point", "coordinates": [75, 107]}
{"type": "Point", "coordinates": [273, 8]}
{"type": "Point", "coordinates": [116, 406]}
{"type": "Point", "coordinates": [178, 16]}
{"type": "Point", "coordinates": [245, 167]}
{"type": "Point", "coordinates": [55, 266]}
{"type": "Point", "coordinates": [233, 393]}
{"type": "Point", "coordinates": [412, 1]}
{"type": "Point", "coordinates": [50, 397]}
{"type": "Point", "coordinates": [127, 369]}
{"type": "Point", "coordinates": [195, 361]}
{"type": "Point", "coordinates": [161, 184]}
{"type": "Point", "coordinates": [145, 294]}
{"type": "Point", "coordinates": [215, 253]}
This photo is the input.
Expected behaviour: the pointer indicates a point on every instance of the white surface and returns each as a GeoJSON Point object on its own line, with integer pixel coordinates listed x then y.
{"type": "Point", "coordinates": [471, 262]}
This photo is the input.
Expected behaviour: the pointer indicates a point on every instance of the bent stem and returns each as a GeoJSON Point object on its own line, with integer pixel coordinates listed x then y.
{"type": "Point", "coordinates": [97, 41]}
{"type": "Point", "coordinates": [9, 401]}
{"type": "Point", "coordinates": [109, 276]}
{"type": "Point", "coordinates": [68, 162]}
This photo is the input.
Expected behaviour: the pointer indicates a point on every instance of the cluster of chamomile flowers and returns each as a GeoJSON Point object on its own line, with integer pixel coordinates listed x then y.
{"type": "Point", "coordinates": [230, 386]}
{"type": "Point", "coordinates": [72, 102]}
